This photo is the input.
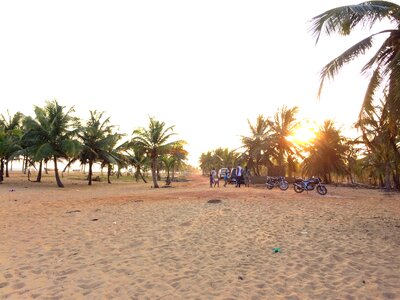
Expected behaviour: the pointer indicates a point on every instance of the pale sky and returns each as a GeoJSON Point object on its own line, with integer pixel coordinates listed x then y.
{"type": "Point", "coordinates": [203, 66]}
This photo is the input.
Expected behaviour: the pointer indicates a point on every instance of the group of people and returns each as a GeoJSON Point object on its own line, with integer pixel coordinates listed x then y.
{"type": "Point", "coordinates": [239, 175]}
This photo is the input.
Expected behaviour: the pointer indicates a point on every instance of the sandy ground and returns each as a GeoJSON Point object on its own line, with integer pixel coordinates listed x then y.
{"type": "Point", "coordinates": [128, 241]}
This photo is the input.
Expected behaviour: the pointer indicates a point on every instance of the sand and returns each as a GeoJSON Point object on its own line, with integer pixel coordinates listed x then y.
{"type": "Point", "coordinates": [129, 241]}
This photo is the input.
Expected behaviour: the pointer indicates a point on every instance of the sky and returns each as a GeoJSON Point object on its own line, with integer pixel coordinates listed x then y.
{"type": "Point", "coordinates": [206, 67]}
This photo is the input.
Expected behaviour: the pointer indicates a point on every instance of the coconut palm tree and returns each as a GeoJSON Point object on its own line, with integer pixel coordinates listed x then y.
{"type": "Point", "coordinates": [136, 157]}
{"type": "Point", "coordinates": [180, 155]}
{"type": "Point", "coordinates": [258, 147]}
{"type": "Point", "coordinates": [53, 132]}
{"type": "Point", "coordinates": [327, 153]}
{"type": "Point", "coordinates": [96, 136]}
{"type": "Point", "coordinates": [154, 141]}
{"type": "Point", "coordinates": [206, 161]}
{"type": "Point", "coordinates": [115, 156]}
{"type": "Point", "coordinates": [11, 126]}
{"type": "Point", "coordinates": [224, 157]}
{"type": "Point", "coordinates": [169, 162]}
{"type": "Point", "coordinates": [384, 65]}
{"type": "Point", "coordinates": [376, 133]}
{"type": "Point", "coordinates": [282, 126]}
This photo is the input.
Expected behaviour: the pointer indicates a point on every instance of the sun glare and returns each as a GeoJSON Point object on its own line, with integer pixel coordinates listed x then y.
{"type": "Point", "coordinates": [304, 134]}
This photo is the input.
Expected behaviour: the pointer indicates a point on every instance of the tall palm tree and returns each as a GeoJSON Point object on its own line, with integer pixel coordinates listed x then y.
{"type": "Point", "coordinates": [257, 146]}
{"type": "Point", "coordinates": [53, 132]}
{"type": "Point", "coordinates": [96, 136]}
{"type": "Point", "coordinates": [327, 153]}
{"type": "Point", "coordinates": [154, 141]}
{"type": "Point", "coordinates": [376, 133]}
{"type": "Point", "coordinates": [282, 126]}
{"type": "Point", "coordinates": [384, 65]}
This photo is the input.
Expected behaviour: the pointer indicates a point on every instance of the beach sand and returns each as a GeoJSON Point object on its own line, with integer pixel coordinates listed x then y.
{"type": "Point", "coordinates": [129, 241]}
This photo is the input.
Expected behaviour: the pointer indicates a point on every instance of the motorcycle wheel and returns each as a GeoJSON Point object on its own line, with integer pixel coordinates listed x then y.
{"type": "Point", "coordinates": [270, 187]}
{"type": "Point", "coordinates": [284, 186]}
{"type": "Point", "coordinates": [322, 190]}
{"type": "Point", "coordinates": [297, 189]}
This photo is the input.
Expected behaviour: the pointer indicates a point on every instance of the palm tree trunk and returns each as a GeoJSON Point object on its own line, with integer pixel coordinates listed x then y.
{"type": "Point", "coordinates": [7, 174]}
{"type": "Point", "coordinates": [39, 175]}
{"type": "Point", "coordinates": [59, 183]}
{"type": "Point", "coordinates": [108, 173]}
{"type": "Point", "coordinates": [1, 170]}
{"type": "Point", "coordinates": [90, 172]}
{"type": "Point", "coordinates": [168, 180]}
{"type": "Point", "coordinates": [26, 166]}
{"type": "Point", "coordinates": [387, 176]}
{"type": "Point", "coordinates": [119, 172]}
{"type": "Point", "coordinates": [141, 175]}
{"type": "Point", "coordinates": [158, 173]}
{"type": "Point", "coordinates": [173, 173]}
{"type": "Point", "coordinates": [154, 172]}
{"type": "Point", "coordinates": [396, 178]}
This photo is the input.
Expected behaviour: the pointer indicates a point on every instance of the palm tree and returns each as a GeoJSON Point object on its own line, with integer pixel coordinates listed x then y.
{"type": "Point", "coordinates": [180, 155]}
{"type": "Point", "coordinates": [53, 132]}
{"type": "Point", "coordinates": [206, 161]}
{"type": "Point", "coordinates": [154, 141]}
{"type": "Point", "coordinates": [282, 126]}
{"type": "Point", "coordinates": [384, 65]}
{"type": "Point", "coordinates": [114, 156]}
{"type": "Point", "coordinates": [11, 126]}
{"type": "Point", "coordinates": [96, 137]}
{"type": "Point", "coordinates": [376, 132]}
{"type": "Point", "coordinates": [169, 163]}
{"type": "Point", "coordinates": [257, 146]}
{"type": "Point", "coordinates": [136, 156]}
{"type": "Point", "coordinates": [327, 153]}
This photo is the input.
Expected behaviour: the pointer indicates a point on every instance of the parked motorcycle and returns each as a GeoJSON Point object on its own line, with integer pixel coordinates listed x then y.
{"type": "Point", "coordinates": [277, 181]}
{"type": "Point", "coordinates": [301, 185]}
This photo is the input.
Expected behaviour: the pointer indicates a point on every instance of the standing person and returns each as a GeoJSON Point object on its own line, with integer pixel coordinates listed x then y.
{"type": "Point", "coordinates": [213, 174]}
{"type": "Point", "coordinates": [226, 176]}
{"type": "Point", "coordinates": [239, 173]}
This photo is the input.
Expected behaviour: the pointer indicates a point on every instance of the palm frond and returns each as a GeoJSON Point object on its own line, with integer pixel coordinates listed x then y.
{"type": "Point", "coordinates": [344, 19]}
{"type": "Point", "coordinates": [334, 66]}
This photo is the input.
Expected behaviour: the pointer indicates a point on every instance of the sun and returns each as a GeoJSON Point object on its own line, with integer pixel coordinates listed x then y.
{"type": "Point", "coordinates": [304, 134]}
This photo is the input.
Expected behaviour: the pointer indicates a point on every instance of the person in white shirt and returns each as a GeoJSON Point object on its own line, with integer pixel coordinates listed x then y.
{"type": "Point", "coordinates": [239, 173]}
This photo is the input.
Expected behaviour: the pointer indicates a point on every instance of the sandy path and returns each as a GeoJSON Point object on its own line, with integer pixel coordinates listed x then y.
{"type": "Point", "coordinates": [129, 241]}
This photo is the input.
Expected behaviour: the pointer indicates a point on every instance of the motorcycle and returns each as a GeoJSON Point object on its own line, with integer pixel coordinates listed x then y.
{"type": "Point", "coordinates": [277, 181]}
{"type": "Point", "coordinates": [301, 185]}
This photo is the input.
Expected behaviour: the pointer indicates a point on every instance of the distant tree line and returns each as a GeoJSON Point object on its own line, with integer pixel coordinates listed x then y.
{"type": "Point", "coordinates": [55, 135]}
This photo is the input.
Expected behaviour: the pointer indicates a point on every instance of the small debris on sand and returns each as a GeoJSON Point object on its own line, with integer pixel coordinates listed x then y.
{"type": "Point", "coordinates": [214, 201]}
